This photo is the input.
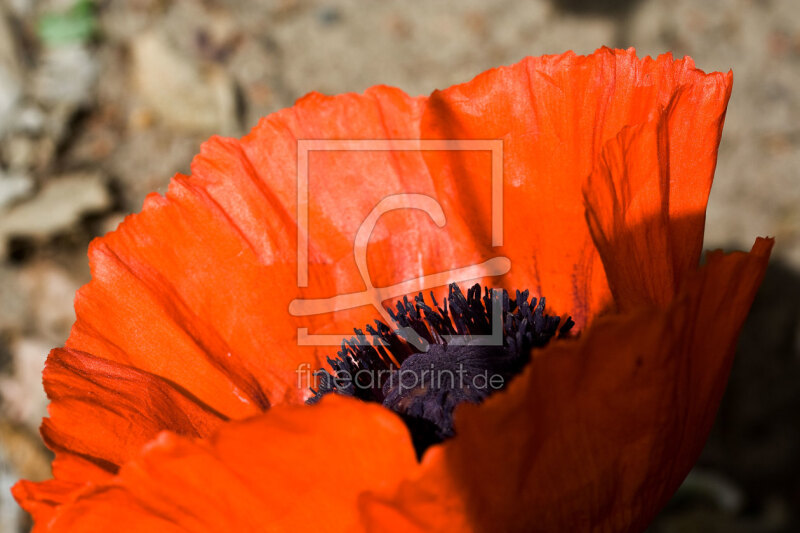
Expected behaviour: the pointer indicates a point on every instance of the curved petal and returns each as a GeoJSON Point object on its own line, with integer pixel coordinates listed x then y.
{"type": "Point", "coordinates": [554, 115]}
{"type": "Point", "coordinates": [627, 209]}
{"type": "Point", "coordinates": [232, 224]}
{"type": "Point", "coordinates": [101, 414]}
{"type": "Point", "coordinates": [349, 466]}
{"type": "Point", "coordinates": [194, 291]}
{"type": "Point", "coordinates": [645, 206]}
{"type": "Point", "coordinates": [95, 401]}
{"type": "Point", "coordinates": [72, 475]}
{"type": "Point", "coordinates": [597, 433]}
{"type": "Point", "coordinates": [196, 287]}
{"type": "Point", "coordinates": [293, 469]}
{"type": "Point", "coordinates": [185, 321]}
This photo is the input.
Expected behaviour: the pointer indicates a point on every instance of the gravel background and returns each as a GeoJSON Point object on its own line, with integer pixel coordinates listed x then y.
{"type": "Point", "coordinates": [102, 102]}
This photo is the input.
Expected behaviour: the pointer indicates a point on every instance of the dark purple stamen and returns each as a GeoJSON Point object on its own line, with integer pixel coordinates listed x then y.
{"type": "Point", "coordinates": [463, 363]}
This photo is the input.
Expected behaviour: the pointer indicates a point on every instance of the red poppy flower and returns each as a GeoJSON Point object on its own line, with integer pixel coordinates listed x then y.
{"type": "Point", "coordinates": [175, 405]}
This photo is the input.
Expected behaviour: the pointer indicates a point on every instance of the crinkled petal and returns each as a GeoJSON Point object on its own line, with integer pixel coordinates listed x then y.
{"type": "Point", "coordinates": [292, 469]}
{"type": "Point", "coordinates": [72, 476]}
{"type": "Point", "coordinates": [196, 288]}
{"type": "Point", "coordinates": [597, 433]}
{"type": "Point", "coordinates": [565, 464]}
{"type": "Point", "coordinates": [194, 292]}
{"type": "Point", "coordinates": [105, 401]}
{"type": "Point", "coordinates": [645, 206]}
{"type": "Point", "coordinates": [101, 414]}
{"type": "Point", "coordinates": [627, 208]}
{"type": "Point", "coordinates": [555, 115]}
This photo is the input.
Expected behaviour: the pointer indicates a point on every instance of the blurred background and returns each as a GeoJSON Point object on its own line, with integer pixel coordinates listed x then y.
{"type": "Point", "coordinates": [102, 102]}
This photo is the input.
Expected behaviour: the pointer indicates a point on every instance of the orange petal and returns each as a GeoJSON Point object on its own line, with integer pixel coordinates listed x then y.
{"type": "Point", "coordinates": [645, 205]}
{"type": "Point", "coordinates": [627, 209]}
{"type": "Point", "coordinates": [554, 115]}
{"type": "Point", "coordinates": [596, 433]}
{"type": "Point", "coordinates": [72, 475]}
{"type": "Point", "coordinates": [102, 413]}
{"type": "Point", "coordinates": [194, 291]}
{"type": "Point", "coordinates": [270, 472]}
{"type": "Point", "coordinates": [105, 412]}
{"type": "Point", "coordinates": [196, 287]}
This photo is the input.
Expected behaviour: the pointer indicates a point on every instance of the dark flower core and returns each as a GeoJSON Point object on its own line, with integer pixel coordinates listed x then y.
{"type": "Point", "coordinates": [440, 356]}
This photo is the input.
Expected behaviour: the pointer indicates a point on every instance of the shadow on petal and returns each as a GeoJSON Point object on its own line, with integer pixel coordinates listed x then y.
{"type": "Point", "coordinates": [598, 432]}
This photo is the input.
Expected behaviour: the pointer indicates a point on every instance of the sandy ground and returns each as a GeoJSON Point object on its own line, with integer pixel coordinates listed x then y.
{"type": "Point", "coordinates": [102, 102]}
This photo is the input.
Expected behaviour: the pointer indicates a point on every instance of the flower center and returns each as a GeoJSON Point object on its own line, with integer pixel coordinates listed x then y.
{"type": "Point", "coordinates": [440, 356]}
